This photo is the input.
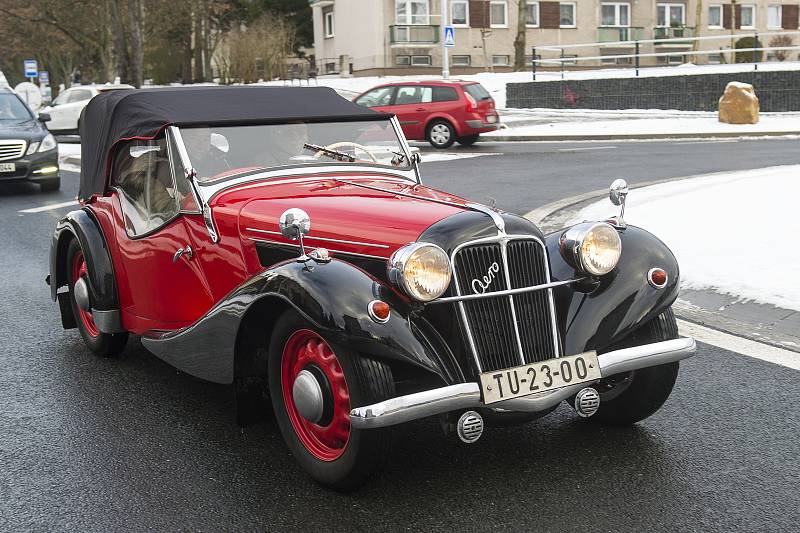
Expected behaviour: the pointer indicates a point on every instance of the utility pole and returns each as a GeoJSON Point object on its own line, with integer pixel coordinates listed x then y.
{"type": "Point", "coordinates": [445, 57]}
{"type": "Point", "coordinates": [733, 31]}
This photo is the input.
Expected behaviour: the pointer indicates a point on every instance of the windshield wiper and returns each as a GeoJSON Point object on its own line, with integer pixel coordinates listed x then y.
{"type": "Point", "coordinates": [335, 154]}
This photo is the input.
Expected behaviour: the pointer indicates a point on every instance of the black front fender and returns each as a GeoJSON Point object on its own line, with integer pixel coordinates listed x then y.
{"type": "Point", "coordinates": [333, 297]}
{"type": "Point", "coordinates": [621, 301]}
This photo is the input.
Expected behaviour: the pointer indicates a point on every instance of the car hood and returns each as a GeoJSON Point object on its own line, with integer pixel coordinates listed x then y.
{"type": "Point", "coordinates": [30, 130]}
{"type": "Point", "coordinates": [352, 217]}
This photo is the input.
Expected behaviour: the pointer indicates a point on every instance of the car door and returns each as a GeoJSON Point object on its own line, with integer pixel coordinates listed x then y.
{"type": "Point", "coordinates": [411, 107]}
{"type": "Point", "coordinates": [159, 263]}
{"type": "Point", "coordinates": [66, 115]}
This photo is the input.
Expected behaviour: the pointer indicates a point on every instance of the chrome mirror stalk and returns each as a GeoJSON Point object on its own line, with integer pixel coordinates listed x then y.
{"type": "Point", "coordinates": [617, 193]}
{"type": "Point", "coordinates": [294, 223]}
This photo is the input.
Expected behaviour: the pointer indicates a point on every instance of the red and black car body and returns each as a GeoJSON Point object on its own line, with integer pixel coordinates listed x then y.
{"type": "Point", "coordinates": [313, 281]}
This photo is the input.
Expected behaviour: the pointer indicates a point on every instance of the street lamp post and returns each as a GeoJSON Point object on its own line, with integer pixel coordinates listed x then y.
{"type": "Point", "coordinates": [445, 58]}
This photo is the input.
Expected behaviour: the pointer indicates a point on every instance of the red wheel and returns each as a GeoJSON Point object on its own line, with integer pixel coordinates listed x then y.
{"type": "Point", "coordinates": [103, 344]}
{"type": "Point", "coordinates": [305, 351]}
{"type": "Point", "coordinates": [79, 272]}
{"type": "Point", "coordinates": [313, 385]}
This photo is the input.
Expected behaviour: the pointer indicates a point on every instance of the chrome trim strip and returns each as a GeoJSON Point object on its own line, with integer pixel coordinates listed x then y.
{"type": "Point", "coordinates": [406, 194]}
{"type": "Point", "coordinates": [326, 239]}
{"type": "Point", "coordinates": [504, 256]}
{"type": "Point", "coordinates": [468, 395]}
{"type": "Point", "coordinates": [503, 240]}
{"type": "Point", "coordinates": [13, 149]}
{"type": "Point", "coordinates": [331, 250]}
{"type": "Point", "coordinates": [521, 290]}
{"type": "Point", "coordinates": [496, 218]}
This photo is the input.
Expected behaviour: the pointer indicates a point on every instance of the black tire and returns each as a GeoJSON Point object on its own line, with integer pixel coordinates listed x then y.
{"type": "Point", "coordinates": [101, 344]}
{"type": "Point", "coordinates": [628, 398]}
{"type": "Point", "coordinates": [440, 133]}
{"type": "Point", "coordinates": [50, 185]}
{"type": "Point", "coordinates": [366, 451]}
{"type": "Point", "coordinates": [468, 140]}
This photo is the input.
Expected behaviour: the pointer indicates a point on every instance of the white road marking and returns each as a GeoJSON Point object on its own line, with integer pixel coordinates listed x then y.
{"type": "Point", "coordinates": [586, 148]}
{"type": "Point", "coordinates": [434, 157]}
{"type": "Point", "coordinates": [48, 207]}
{"type": "Point", "coordinates": [714, 141]}
{"type": "Point", "coordinates": [756, 350]}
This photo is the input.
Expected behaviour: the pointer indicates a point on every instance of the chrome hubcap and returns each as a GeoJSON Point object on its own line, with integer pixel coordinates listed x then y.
{"type": "Point", "coordinates": [307, 395]}
{"type": "Point", "coordinates": [81, 294]}
{"type": "Point", "coordinates": [440, 134]}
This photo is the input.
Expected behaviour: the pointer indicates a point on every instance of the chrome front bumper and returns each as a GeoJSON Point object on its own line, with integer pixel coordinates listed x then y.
{"type": "Point", "coordinates": [468, 395]}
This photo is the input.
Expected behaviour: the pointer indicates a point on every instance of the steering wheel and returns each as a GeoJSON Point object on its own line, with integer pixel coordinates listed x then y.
{"type": "Point", "coordinates": [336, 145]}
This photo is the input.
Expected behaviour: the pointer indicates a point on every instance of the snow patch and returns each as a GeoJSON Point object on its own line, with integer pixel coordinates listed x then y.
{"type": "Point", "coordinates": [733, 232]}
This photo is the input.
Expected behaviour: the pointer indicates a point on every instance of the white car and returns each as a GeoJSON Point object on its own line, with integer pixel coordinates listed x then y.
{"type": "Point", "coordinates": [65, 111]}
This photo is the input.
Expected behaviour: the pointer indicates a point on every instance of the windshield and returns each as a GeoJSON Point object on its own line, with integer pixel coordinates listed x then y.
{"type": "Point", "coordinates": [12, 108]}
{"type": "Point", "coordinates": [219, 152]}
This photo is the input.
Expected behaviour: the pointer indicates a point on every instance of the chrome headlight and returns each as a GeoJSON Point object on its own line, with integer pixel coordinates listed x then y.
{"type": "Point", "coordinates": [594, 247]}
{"type": "Point", "coordinates": [48, 143]}
{"type": "Point", "coordinates": [422, 270]}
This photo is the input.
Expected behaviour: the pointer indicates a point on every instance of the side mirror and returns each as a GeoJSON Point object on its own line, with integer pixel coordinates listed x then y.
{"type": "Point", "coordinates": [617, 193]}
{"type": "Point", "coordinates": [44, 117]}
{"type": "Point", "coordinates": [220, 142]}
{"type": "Point", "coordinates": [294, 223]}
{"type": "Point", "coordinates": [138, 151]}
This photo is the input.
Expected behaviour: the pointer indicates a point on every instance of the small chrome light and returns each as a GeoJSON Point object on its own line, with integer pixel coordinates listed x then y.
{"type": "Point", "coordinates": [379, 311]}
{"type": "Point", "coordinates": [470, 427]}
{"type": "Point", "coordinates": [593, 247]}
{"type": "Point", "coordinates": [657, 278]}
{"type": "Point", "coordinates": [422, 270]}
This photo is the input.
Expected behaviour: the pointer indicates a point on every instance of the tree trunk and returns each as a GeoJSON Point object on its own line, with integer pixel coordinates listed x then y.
{"type": "Point", "coordinates": [519, 41]}
{"type": "Point", "coordinates": [120, 42]}
{"type": "Point", "coordinates": [136, 16]}
{"type": "Point", "coordinates": [197, 19]}
{"type": "Point", "coordinates": [209, 74]}
{"type": "Point", "coordinates": [697, 25]}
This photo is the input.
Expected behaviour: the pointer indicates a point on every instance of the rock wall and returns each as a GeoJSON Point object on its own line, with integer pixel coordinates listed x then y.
{"type": "Point", "coordinates": [777, 91]}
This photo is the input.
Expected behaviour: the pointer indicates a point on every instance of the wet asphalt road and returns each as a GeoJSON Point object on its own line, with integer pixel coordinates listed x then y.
{"type": "Point", "coordinates": [132, 444]}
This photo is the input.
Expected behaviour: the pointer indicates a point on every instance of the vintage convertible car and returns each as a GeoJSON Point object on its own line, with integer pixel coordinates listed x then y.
{"type": "Point", "coordinates": [280, 240]}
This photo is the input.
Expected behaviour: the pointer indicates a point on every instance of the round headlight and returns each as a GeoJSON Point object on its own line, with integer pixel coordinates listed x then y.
{"type": "Point", "coordinates": [594, 247]}
{"type": "Point", "coordinates": [422, 270]}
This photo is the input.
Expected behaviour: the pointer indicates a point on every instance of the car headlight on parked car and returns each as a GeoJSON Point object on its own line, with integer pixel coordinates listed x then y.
{"type": "Point", "coordinates": [48, 143]}
{"type": "Point", "coordinates": [593, 247]}
{"type": "Point", "coordinates": [422, 270]}
{"type": "Point", "coordinates": [32, 148]}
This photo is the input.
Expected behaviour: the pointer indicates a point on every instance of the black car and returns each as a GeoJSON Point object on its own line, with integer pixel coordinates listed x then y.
{"type": "Point", "coordinates": [28, 152]}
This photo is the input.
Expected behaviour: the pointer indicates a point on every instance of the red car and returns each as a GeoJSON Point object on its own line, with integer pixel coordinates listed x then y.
{"type": "Point", "coordinates": [440, 112]}
{"type": "Point", "coordinates": [280, 240]}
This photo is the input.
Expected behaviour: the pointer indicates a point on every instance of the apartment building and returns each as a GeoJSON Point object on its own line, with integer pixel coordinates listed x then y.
{"type": "Point", "coordinates": [369, 37]}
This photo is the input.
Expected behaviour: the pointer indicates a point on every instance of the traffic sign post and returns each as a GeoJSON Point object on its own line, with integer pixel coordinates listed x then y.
{"type": "Point", "coordinates": [44, 77]}
{"type": "Point", "coordinates": [445, 46]}
{"type": "Point", "coordinates": [449, 37]}
{"type": "Point", "coordinates": [31, 69]}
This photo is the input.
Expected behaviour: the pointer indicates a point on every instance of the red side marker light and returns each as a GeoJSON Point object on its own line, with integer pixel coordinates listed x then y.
{"type": "Point", "coordinates": [379, 311]}
{"type": "Point", "coordinates": [657, 277]}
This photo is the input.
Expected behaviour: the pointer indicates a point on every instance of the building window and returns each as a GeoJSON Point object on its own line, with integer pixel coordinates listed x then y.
{"type": "Point", "coordinates": [670, 15]}
{"type": "Point", "coordinates": [330, 68]}
{"type": "Point", "coordinates": [411, 11]}
{"type": "Point", "coordinates": [715, 17]}
{"type": "Point", "coordinates": [529, 59]}
{"type": "Point", "coordinates": [567, 15]}
{"type": "Point", "coordinates": [615, 14]}
{"type": "Point", "coordinates": [402, 61]}
{"type": "Point", "coordinates": [462, 61]}
{"type": "Point", "coordinates": [327, 21]}
{"type": "Point", "coordinates": [748, 17]}
{"type": "Point", "coordinates": [501, 61]}
{"type": "Point", "coordinates": [714, 59]}
{"type": "Point", "coordinates": [498, 14]}
{"type": "Point", "coordinates": [571, 59]}
{"type": "Point", "coordinates": [774, 17]}
{"type": "Point", "coordinates": [459, 13]}
{"type": "Point", "coordinates": [616, 60]}
{"type": "Point", "coordinates": [532, 20]}
{"type": "Point", "coordinates": [671, 60]}
{"type": "Point", "coordinates": [421, 61]}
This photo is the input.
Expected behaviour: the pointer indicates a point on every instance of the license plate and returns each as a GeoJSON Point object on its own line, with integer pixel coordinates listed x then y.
{"type": "Point", "coordinates": [491, 119]}
{"type": "Point", "coordinates": [543, 376]}
{"type": "Point", "coordinates": [8, 167]}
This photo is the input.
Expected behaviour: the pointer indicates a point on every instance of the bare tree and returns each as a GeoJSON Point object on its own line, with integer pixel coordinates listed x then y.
{"type": "Point", "coordinates": [781, 41]}
{"type": "Point", "coordinates": [260, 49]}
{"type": "Point", "coordinates": [519, 41]}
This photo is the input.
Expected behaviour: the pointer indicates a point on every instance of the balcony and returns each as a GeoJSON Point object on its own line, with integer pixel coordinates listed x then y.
{"type": "Point", "coordinates": [675, 32]}
{"type": "Point", "coordinates": [612, 34]}
{"type": "Point", "coordinates": [413, 34]}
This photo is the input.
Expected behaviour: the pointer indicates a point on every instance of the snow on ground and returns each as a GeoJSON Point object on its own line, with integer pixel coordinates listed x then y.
{"type": "Point", "coordinates": [732, 232]}
{"type": "Point", "coordinates": [495, 82]}
{"type": "Point", "coordinates": [435, 157]}
{"type": "Point", "coordinates": [71, 151]}
{"type": "Point", "coordinates": [664, 124]}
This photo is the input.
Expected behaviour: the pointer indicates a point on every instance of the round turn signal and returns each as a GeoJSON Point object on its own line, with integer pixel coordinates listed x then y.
{"type": "Point", "coordinates": [379, 311]}
{"type": "Point", "coordinates": [657, 277]}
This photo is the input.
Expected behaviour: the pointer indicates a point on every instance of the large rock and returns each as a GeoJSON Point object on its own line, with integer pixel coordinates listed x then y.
{"type": "Point", "coordinates": [739, 104]}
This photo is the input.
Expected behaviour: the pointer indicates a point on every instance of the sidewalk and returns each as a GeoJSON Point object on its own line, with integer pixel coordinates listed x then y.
{"type": "Point", "coordinates": [587, 125]}
{"type": "Point", "coordinates": [736, 282]}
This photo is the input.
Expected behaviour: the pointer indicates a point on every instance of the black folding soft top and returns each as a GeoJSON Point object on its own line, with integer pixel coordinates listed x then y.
{"type": "Point", "coordinates": [130, 114]}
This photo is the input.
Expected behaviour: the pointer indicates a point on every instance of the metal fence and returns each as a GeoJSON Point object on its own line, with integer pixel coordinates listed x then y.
{"type": "Point", "coordinates": [661, 39]}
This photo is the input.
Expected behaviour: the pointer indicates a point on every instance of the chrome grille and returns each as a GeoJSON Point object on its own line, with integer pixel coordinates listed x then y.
{"type": "Point", "coordinates": [12, 149]}
{"type": "Point", "coordinates": [508, 330]}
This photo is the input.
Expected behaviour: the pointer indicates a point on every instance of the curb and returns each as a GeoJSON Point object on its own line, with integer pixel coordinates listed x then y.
{"type": "Point", "coordinates": [72, 160]}
{"type": "Point", "coordinates": [637, 136]}
{"type": "Point", "coordinates": [555, 215]}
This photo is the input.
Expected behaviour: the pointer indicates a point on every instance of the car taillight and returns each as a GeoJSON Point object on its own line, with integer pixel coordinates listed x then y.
{"type": "Point", "coordinates": [471, 103]}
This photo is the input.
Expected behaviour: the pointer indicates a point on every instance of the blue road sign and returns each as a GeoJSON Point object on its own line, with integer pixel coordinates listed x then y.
{"type": "Point", "coordinates": [31, 68]}
{"type": "Point", "coordinates": [44, 77]}
{"type": "Point", "coordinates": [449, 36]}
